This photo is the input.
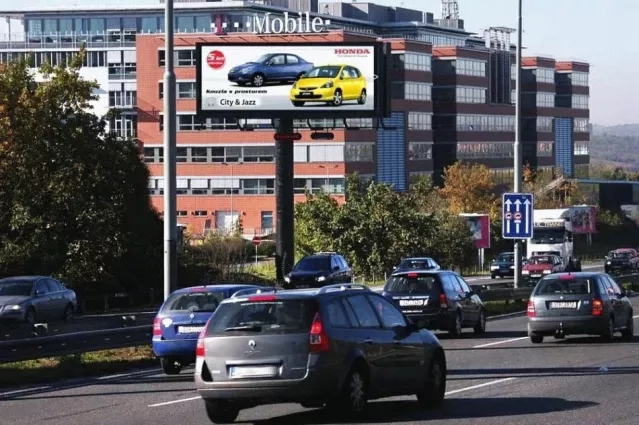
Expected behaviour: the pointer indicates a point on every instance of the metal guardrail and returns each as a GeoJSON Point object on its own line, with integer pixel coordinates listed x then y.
{"type": "Point", "coordinates": [74, 343]}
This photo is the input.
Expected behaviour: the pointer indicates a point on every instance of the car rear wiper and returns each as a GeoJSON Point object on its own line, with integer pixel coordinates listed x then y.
{"type": "Point", "coordinates": [253, 327]}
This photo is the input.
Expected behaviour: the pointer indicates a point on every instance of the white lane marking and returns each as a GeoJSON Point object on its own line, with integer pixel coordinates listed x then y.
{"type": "Point", "coordinates": [166, 403]}
{"type": "Point", "coordinates": [485, 384]}
{"type": "Point", "coordinates": [634, 317]}
{"type": "Point", "coordinates": [501, 342]}
{"type": "Point", "coordinates": [23, 391]}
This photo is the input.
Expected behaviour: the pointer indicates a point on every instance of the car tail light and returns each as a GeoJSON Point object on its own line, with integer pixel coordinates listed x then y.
{"type": "Point", "coordinates": [412, 274]}
{"type": "Point", "coordinates": [597, 307]}
{"type": "Point", "coordinates": [318, 339]}
{"type": "Point", "coordinates": [157, 327]}
{"type": "Point", "coordinates": [443, 302]}
{"type": "Point", "coordinates": [258, 298]}
{"type": "Point", "coordinates": [199, 348]}
{"type": "Point", "coordinates": [531, 309]}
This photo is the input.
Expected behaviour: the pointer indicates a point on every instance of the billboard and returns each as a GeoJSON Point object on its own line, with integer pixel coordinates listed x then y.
{"type": "Point", "coordinates": [328, 80]}
{"type": "Point", "coordinates": [479, 225]}
{"type": "Point", "coordinates": [583, 219]}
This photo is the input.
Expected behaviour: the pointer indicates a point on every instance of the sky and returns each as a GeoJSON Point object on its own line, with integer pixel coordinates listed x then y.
{"type": "Point", "coordinates": [600, 32]}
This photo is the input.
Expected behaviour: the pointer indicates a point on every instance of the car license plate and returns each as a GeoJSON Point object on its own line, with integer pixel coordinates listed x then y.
{"type": "Point", "coordinates": [563, 304]}
{"type": "Point", "coordinates": [252, 371]}
{"type": "Point", "coordinates": [535, 275]}
{"type": "Point", "coordinates": [190, 329]}
{"type": "Point", "coordinates": [306, 93]}
{"type": "Point", "coordinates": [411, 303]}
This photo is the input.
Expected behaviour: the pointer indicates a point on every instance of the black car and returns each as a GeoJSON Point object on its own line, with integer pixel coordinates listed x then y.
{"type": "Point", "coordinates": [504, 265]}
{"type": "Point", "coordinates": [623, 260]}
{"type": "Point", "coordinates": [317, 270]}
{"type": "Point", "coordinates": [589, 303]}
{"type": "Point", "coordinates": [437, 300]}
{"type": "Point", "coordinates": [339, 346]}
{"type": "Point", "coordinates": [422, 263]}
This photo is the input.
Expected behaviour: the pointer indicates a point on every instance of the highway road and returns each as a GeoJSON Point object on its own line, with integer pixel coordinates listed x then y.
{"type": "Point", "coordinates": [499, 377]}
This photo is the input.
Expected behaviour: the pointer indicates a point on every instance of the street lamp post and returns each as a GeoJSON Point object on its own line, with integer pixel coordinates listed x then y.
{"type": "Point", "coordinates": [327, 175]}
{"type": "Point", "coordinates": [518, 165]}
{"type": "Point", "coordinates": [232, 166]}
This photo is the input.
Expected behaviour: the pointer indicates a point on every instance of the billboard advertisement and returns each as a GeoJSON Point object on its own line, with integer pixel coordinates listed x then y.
{"type": "Point", "coordinates": [583, 219]}
{"type": "Point", "coordinates": [479, 225]}
{"type": "Point", "coordinates": [311, 80]}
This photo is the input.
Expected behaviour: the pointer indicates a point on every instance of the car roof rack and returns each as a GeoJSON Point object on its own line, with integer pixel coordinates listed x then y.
{"type": "Point", "coordinates": [251, 291]}
{"type": "Point", "coordinates": [342, 287]}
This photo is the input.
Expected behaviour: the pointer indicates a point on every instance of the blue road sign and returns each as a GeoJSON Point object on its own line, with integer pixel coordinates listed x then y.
{"type": "Point", "coordinates": [517, 216]}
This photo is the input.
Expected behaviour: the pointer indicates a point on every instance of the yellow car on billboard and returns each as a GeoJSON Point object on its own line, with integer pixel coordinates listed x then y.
{"type": "Point", "coordinates": [331, 84]}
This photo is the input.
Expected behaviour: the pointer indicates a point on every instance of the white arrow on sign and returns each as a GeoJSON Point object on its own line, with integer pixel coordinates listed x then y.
{"type": "Point", "coordinates": [527, 206]}
{"type": "Point", "coordinates": [508, 204]}
{"type": "Point", "coordinates": [517, 222]}
{"type": "Point", "coordinates": [517, 205]}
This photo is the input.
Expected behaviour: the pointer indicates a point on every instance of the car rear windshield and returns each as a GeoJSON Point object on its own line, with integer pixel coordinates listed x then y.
{"type": "Point", "coordinates": [263, 317]}
{"type": "Point", "coordinates": [540, 260]}
{"type": "Point", "coordinates": [204, 302]}
{"type": "Point", "coordinates": [423, 284]}
{"type": "Point", "coordinates": [580, 286]}
{"type": "Point", "coordinates": [19, 288]}
{"type": "Point", "coordinates": [313, 264]}
{"type": "Point", "coordinates": [621, 255]}
{"type": "Point", "coordinates": [414, 264]}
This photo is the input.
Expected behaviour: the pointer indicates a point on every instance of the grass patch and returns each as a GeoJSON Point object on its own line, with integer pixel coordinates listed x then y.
{"type": "Point", "coordinates": [264, 270]}
{"type": "Point", "coordinates": [76, 366]}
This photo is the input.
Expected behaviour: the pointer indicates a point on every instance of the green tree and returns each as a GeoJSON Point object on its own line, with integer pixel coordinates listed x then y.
{"type": "Point", "coordinates": [73, 198]}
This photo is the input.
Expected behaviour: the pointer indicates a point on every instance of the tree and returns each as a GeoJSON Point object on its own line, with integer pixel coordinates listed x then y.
{"type": "Point", "coordinates": [469, 188]}
{"type": "Point", "coordinates": [73, 198]}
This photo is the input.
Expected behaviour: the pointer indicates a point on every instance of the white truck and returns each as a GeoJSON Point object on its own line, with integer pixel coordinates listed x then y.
{"type": "Point", "coordinates": [553, 234]}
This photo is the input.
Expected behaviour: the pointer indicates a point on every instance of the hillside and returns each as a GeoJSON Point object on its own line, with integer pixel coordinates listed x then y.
{"type": "Point", "coordinates": [615, 145]}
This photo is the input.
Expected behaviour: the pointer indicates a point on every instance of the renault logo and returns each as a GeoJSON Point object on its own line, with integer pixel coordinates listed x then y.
{"type": "Point", "coordinates": [252, 344]}
{"type": "Point", "coordinates": [192, 316]}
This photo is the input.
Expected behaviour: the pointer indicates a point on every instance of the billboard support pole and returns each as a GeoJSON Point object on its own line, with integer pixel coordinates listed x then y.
{"type": "Point", "coordinates": [170, 152]}
{"type": "Point", "coordinates": [518, 165]}
{"type": "Point", "coordinates": [284, 204]}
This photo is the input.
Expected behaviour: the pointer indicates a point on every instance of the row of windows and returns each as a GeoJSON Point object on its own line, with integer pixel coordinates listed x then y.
{"type": "Point", "coordinates": [410, 90]}
{"type": "Point", "coordinates": [499, 123]}
{"type": "Point", "coordinates": [539, 124]}
{"type": "Point", "coordinates": [581, 125]}
{"type": "Point", "coordinates": [245, 186]}
{"type": "Point", "coordinates": [420, 121]}
{"type": "Point", "coordinates": [183, 90]}
{"type": "Point", "coordinates": [581, 148]}
{"type": "Point", "coordinates": [420, 151]}
{"type": "Point", "coordinates": [472, 67]}
{"type": "Point", "coordinates": [413, 61]}
{"type": "Point", "coordinates": [545, 148]}
{"type": "Point", "coordinates": [123, 99]}
{"type": "Point", "coordinates": [460, 94]}
{"type": "Point", "coordinates": [93, 59]}
{"type": "Point", "coordinates": [471, 150]}
{"type": "Point", "coordinates": [182, 57]}
{"type": "Point", "coordinates": [580, 101]}
{"type": "Point", "coordinates": [544, 75]}
{"type": "Point", "coordinates": [579, 78]}
{"type": "Point", "coordinates": [545, 100]}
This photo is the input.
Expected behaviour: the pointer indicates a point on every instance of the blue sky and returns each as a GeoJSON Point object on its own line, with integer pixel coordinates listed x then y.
{"type": "Point", "coordinates": [597, 31]}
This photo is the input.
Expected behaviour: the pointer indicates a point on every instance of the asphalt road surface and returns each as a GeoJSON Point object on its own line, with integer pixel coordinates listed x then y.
{"type": "Point", "coordinates": [500, 378]}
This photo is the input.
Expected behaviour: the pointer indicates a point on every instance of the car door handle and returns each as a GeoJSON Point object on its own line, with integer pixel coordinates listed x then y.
{"type": "Point", "coordinates": [368, 341]}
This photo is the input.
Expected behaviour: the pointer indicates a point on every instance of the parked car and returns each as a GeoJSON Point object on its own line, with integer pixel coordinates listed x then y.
{"type": "Point", "coordinates": [330, 84]}
{"type": "Point", "coordinates": [504, 265]}
{"type": "Point", "coordinates": [588, 303]}
{"type": "Point", "coordinates": [412, 263]}
{"type": "Point", "coordinates": [340, 346]}
{"type": "Point", "coordinates": [538, 266]}
{"type": "Point", "coordinates": [622, 260]}
{"type": "Point", "coordinates": [271, 67]}
{"type": "Point", "coordinates": [34, 299]}
{"type": "Point", "coordinates": [180, 320]}
{"type": "Point", "coordinates": [440, 300]}
{"type": "Point", "coordinates": [317, 270]}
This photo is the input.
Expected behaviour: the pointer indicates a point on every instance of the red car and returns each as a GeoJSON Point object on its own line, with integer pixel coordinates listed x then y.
{"type": "Point", "coordinates": [541, 265]}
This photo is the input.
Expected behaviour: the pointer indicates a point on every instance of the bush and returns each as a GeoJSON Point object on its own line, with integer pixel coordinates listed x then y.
{"type": "Point", "coordinates": [266, 248]}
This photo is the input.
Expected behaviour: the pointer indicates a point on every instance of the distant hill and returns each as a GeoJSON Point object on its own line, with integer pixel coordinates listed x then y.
{"type": "Point", "coordinates": [615, 145]}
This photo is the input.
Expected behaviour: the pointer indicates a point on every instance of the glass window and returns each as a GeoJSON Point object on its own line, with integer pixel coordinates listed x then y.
{"type": "Point", "coordinates": [475, 95]}
{"type": "Point", "coordinates": [403, 284]}
{"type": "Point", "coordinates": [419, 151]}
{"type": "Point", "coordinates": [313, 264]}
{"type": "Point", "coordinates": [363, 311]}
{"type": "Point", "coordinates": [581, 125]}
{"type": "Point", "coordinates": [420, 121]}
{"type": "Point", "coordinates": [579, 78]}
{"type": "Point", "coordinates": [388, 313]}
{"type": "Point", "coordinates": [267, 220]}
{"type": "Point", "coordinates": [462, 283]}
{"type": "Point", "coordinates": [16, 288]}
{"type": "Point", "coordinates": [184, 24]}
{"type": "Point", "coordinates": [545, 100]}
{"type": "Point", "coordinates": [42, 288]}
{"type": "Point", "coordinates": [149, 25]}
{"type": "Point", "coordinates": [97, 26]}
{"type": "Point", "coordinates": [470, 150]}
{"type": "Point", "coordinates": [358, 152]}
{"type": "Point", "coordinates": [545, 75]}
{"type": "Point", "coordinates": [203, 23]}
{"type": "Point", "coordinates": [577, 286]}
{"type": "Point", "coordinates": [336, 315]}
{"type": "Point", "coordinates": [472, 67]}
{"type": "Point", "coordinates": [581, 148]}
{"type": "Point", "coordinates": [580, 101]}
{"type": "Point", "coordinates": [199, 154]}
{"type": "Point", "coordinates": [186, 90]}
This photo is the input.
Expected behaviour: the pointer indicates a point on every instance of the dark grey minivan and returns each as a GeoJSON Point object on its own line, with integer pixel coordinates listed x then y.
{"type": "Point", "coordinates": [339, 346]}
{"type": "Point", "coordinates": [589, 303]}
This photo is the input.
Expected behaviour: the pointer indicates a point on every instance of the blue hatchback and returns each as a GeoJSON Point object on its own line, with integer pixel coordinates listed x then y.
{"type": "Point", "coordinates": [180, 320]}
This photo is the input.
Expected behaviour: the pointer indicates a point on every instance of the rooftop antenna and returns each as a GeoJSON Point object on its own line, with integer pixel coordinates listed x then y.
{"type": "Point", "coordinates": [450, 9]}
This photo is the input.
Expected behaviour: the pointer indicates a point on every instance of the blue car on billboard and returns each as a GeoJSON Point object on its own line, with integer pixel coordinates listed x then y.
{"type": "Point", "coordinates": [272, 67]}
{"type": "Point", "coordinates": [182, 317]}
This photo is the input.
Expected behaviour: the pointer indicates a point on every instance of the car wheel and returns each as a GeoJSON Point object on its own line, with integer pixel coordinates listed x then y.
{"type": "Point", "coordinates": [337, 98]}
{"type": "Point", "coordinates": [257, 80]}
{"type": "Point", "coordinates": [480, 327]}
{"type": "Point", "coordinates": [298, 104]}
{"type": "Point", "coordinates": [492, 276]}
{"type": "Point", "coordinates": [629, 332]}
{"type": "Point", "coordinates": [221, 411]}
{"type": "Point", "coordinates": [170, 366]}
{"type": "Point", "coordinates": [434, 391]}
{"type": "Point", "coordinates": [456, 327]}
{"type": "Point", "coordinates": [536, 339]}
{"type": "Point", "coordinates": [609, 335]}
{"type": "Point", "coordinates": [68, 313]}
{"type": "Point", "coordinates": [362, 98]}
{"type": "Point", "coordinates": [353, 398]}
{"type": "Point", "coordinates": [30, 316]}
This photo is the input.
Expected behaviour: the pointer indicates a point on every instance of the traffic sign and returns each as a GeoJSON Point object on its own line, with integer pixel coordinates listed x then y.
{"type": "Point", "coordinates": [517, 214]}
{"type": "Point", "coordinates": [257, 240]}
{"type": "Point", "coordinates": [287, 137]}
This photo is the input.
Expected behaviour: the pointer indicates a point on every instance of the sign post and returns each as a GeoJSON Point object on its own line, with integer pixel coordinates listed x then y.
{"type": "Point", "coordinates": [517, 221]}
{"type": "Point", "coordinates": [256, 241]}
